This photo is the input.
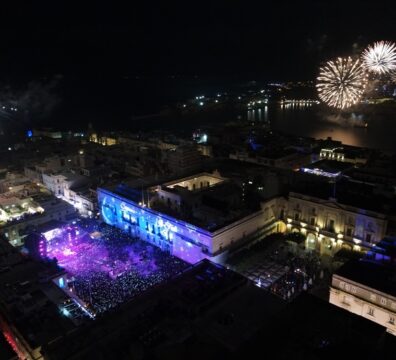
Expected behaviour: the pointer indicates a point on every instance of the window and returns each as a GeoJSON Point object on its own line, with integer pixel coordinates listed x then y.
{"type": "Point", "coordinates": [313, 221]}
{"type": "Point", "coordinates": [296, 216]}
{"type": "Point", "coordinates": [349, 232]}
{"type": "Point", "coordinates": [313, 211]}
{"type": "Point", "coordinates": [392, 320]}
{"type": "Point", "coordinates": [346, 300]}
{"type": "Point", "coordinates": [368, 238]}
{"type": "Point", "coordinates": [331, 225]}
{"type": "Point", "coordinates": [370, 311]}
{"type": "Point", "coordinates": [383, 301]}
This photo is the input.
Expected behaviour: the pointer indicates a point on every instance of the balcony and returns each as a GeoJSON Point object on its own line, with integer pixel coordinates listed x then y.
{"type": "Point", "coordinates": [328, 232]}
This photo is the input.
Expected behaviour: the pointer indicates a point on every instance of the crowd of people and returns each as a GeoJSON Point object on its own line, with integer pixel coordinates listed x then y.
{"type": "Point", "coordinates": [301, 275]}
{"type": "Point", "coordinates": [111, 267]}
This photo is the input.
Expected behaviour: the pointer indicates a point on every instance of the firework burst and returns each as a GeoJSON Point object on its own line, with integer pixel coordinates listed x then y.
{"type": "Point", "coordinates": [393, 76]}
{"type": "Point", "coordinates": [341, 82]}
{"type": "Point", "coordinates": [380, 58]}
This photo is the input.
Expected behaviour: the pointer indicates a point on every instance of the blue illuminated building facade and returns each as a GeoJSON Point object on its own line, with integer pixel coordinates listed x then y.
{"type": "Point", "coordinates": [181, 239]}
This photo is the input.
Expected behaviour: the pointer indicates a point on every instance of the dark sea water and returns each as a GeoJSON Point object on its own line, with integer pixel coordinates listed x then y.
{"type": "Point", "coordinates": [317, 122]}
{"type": "Point", "coordinates": [120, 103]}
{"type": "Point", "coordinates": [306, 121]}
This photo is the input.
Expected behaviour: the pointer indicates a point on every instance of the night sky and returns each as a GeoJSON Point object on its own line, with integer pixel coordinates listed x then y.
{"type": "Point", "coordinates": [85, 48]}
{"type": "Point", "coordinates": [272, 40]}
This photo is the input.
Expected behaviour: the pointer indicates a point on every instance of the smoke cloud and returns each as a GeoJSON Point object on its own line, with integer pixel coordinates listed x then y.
{"type": "Point", "coordinates": [34, 102]}
{"type": "Point", "coordinates": [345, 120]}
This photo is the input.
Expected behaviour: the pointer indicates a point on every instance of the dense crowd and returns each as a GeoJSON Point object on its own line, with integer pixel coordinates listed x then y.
{"type": "Point", "coordinates": [107, 270]}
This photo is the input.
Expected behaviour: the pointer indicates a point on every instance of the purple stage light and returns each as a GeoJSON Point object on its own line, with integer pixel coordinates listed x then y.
{"type": "Point", "coordinates": [110, 267]}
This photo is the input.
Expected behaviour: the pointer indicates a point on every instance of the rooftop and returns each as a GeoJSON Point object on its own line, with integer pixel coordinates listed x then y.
{"type": "Point", "coordinates": [330, 166]}
{"type": "Point", "coordinates": [195, 181]}
{"type": "Point", "coordinates": [310, 328]}
{"type": "Point", "coordinates": [374, 274]}
{"type": "Point", "coordinates": [220, 203]}
{"type": "Point", "coordinates": [200, 309]}
{"type": "Point", "coordinates": [346, 192]}
{"type": "Point", "coordinates": [276, 153]}
{"type": "Point", "coordinates": [24, 300]}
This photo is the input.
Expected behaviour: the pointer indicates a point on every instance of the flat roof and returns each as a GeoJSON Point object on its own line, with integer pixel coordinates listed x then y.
{"type": "Point", "coordinates": [193, 177]}
{"type": "Point", "coordinates": [203, 303]}
{"type": "Point", "coordinates": [331, 166]}
{"type": "Point", "coordinates": [349, 193]}
{"type": "Point", "coordinates": [276, 153]}
{"type": "Point", "coordinates": [220, 216]}
{"type": "Point", "coordinates": [312, 328]}
{"type": "Point", "coordinates": [373, 274]}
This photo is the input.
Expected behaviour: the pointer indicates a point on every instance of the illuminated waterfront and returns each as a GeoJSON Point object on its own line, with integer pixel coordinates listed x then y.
{"type": "Point", "coordinates": [312, 121]}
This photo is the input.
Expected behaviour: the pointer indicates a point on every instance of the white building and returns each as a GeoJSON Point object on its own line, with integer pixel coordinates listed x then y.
{"type": "Point", "coordinates": [84, 200]}
{"type": "Point", "coordinates": [205, 232]}
{"type": "Point", "coordinates": [368, 289]}
{"type": "Point", "coordinates": [26, 212]}
{"type": "Point", "coordinates": [13, 182]}
{"type": "Point", "coordinates": [330, 225]}
{"type": "Point", "coordinates": [339, 153]}
{"type": "Point", "coordinates": [59, 183]}
{"type": "Point", "coordinates": [55, 183]}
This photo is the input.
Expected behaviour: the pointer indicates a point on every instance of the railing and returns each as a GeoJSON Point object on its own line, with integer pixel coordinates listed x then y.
{"type": "Point", "coordinates": [328, 232]}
